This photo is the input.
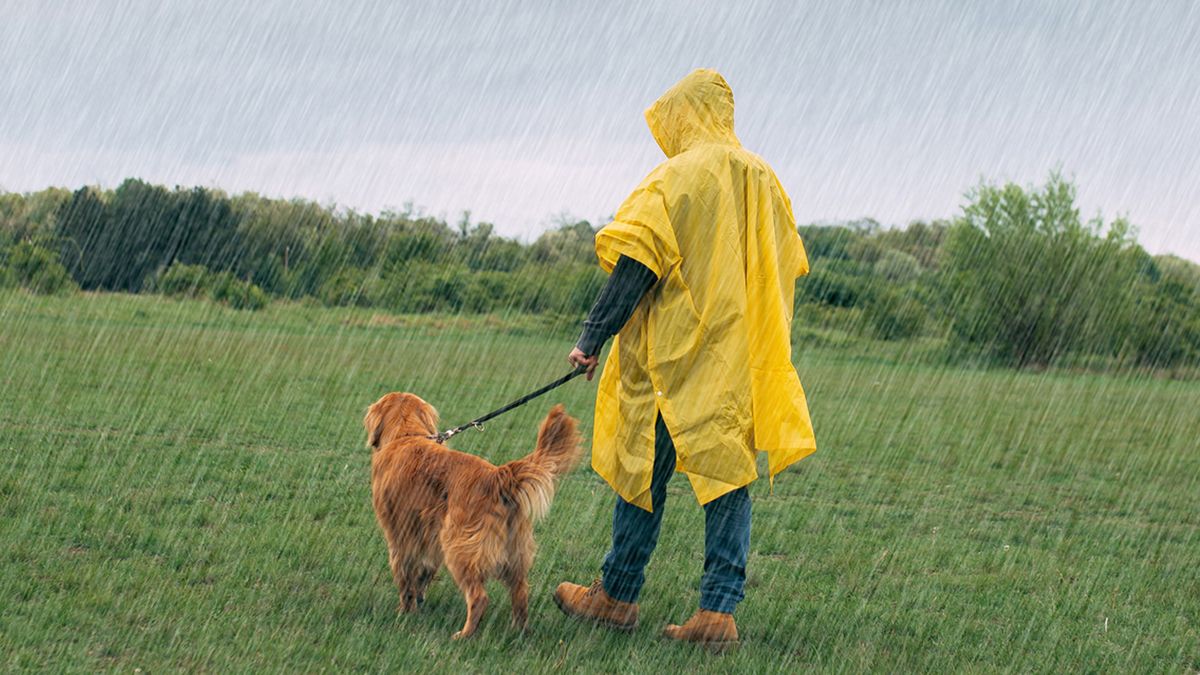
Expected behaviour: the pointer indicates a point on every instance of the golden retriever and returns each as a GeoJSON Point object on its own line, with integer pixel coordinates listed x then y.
{"type": "Point", "coordinates": [436, 505]}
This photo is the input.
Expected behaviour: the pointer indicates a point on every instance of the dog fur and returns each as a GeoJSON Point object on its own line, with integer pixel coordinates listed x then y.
{"type": "Point", "coordinates": [439, 506]}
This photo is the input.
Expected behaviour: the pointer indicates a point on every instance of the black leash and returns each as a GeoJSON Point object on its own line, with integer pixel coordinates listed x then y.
{"type": "Point", "coordinates": [477, 423]}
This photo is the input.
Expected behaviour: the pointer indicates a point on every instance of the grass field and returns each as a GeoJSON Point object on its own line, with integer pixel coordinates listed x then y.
{"type": "Point", "coordinates": [185, 487]}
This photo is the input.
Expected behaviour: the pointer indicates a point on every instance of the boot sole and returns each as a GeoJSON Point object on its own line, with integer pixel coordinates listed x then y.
{"type": "Point", "coordinates": [713, 646]}
{"type": "Point", "coordinates": [623, 627]}
{"type": "Point", "coordinates": [720, 647]}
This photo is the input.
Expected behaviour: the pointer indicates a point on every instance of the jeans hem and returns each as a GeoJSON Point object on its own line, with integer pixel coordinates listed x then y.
{"type": "Point", "coordinates": [625, 592]}
{"type": "Point", "coordinates": [722, 605]}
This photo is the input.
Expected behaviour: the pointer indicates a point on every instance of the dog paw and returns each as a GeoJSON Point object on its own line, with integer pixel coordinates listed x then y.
{"type": "Point", "coordinates": [460, 635]}
{"type": "Point", "coordinates": [409, 604]}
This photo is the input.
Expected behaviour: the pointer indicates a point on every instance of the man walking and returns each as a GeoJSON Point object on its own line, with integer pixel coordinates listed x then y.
{"type": "Point", "coordinates": [703, 259]}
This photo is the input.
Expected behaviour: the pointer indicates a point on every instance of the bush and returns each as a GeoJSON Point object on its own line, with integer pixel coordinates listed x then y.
{"type": "Point", "coordinates": [421, 287]}
{"type": "Point", "coordinates": [558, 289]}
{"type": "Point", "coordinates": [181, 281]}
{"type": "Point", "coordinates": [1025, 280]}
{"type": "Point", "coordinates": [346, 288]}
{"type": "Point", "coordinates": [489, 292]}
{"type": "Point", "coordinates": [238, 294]}
{"type": "Point", "coordinates": [1164, 327]}
{"type": "Point", "coordinates": [897, 266]}
{"type": "Point", "coordinates": [812, 315]}
{"type": "Point", "coordinates": [39, 270]}
{"type": "Point", "coordinates": [894, 316]}
{"type": "Point", "coordinates": [195, 281]}
{"type": "Point", "coordinates": [835, 289]}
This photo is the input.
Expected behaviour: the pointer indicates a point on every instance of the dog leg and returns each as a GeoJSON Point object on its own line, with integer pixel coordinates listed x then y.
{"type": "Point", "coordinates": [394, 563]}
{"type": "Point", "coordinates": [515, 573]}
{"type": "Point", "coordinates": [477, 602]}
{"type": "Point", "coordinates": [406, 584]}
{"type": "Point", "coordinates": [518, 591]}
{"type": "Point", "coordinates": [421, 584]}
{"type": "Point", "coordinates": [403, 583]}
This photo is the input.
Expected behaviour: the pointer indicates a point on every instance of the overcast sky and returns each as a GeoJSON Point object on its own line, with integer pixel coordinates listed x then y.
{"type": "Point", "coordinates": [519, 111]}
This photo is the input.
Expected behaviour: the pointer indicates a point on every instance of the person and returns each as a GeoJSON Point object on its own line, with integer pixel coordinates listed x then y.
{"type": "Point", "coordinates": [703, 259]}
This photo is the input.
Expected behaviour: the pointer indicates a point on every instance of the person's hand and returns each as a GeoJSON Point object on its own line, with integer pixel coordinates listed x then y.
{"type": "Point", "coordinates": [578, 358]}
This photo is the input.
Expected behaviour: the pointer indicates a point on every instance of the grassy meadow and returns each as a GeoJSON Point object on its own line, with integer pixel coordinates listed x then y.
{"type": "Point", "coordinates": [186, 487]}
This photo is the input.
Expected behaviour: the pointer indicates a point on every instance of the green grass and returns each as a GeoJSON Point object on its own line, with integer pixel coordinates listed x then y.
{"type": "Point", "coordinates": [183, 486]}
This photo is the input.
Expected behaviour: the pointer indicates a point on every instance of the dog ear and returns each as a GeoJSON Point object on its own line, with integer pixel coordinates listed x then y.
{"type": "Point", "coordinates": [374, 425]}
{"type": "Point", "coordinates": [429, 417]}
{"type": "Point", "coordinates": [376, 434]}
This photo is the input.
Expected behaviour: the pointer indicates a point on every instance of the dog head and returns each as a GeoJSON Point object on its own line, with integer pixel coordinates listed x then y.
{"type": "Point", "coordinates": [398, 414]}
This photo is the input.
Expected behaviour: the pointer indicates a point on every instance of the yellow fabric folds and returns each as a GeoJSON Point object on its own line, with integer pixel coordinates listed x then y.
{"type": "Point", "coordinates": [708, 346]}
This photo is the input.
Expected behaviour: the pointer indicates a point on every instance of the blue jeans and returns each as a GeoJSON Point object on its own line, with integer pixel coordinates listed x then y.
{"type": "Point", "coordinates": [635, 533]}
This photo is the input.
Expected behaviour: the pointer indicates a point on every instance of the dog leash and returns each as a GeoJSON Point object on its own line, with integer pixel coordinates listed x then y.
{"type": "Point", "coordinates": [477, 423]}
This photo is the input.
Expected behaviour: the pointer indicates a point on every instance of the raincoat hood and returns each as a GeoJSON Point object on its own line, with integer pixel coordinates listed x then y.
{"type": "Point", "coordinates": [697, 110]}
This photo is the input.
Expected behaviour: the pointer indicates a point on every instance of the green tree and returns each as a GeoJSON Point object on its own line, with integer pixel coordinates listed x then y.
{"type": "Point", "coordinates": [30, 216]}
{"type": "Point", "coordinates": [1027, 281]}
{"type": "Point", "coordinates": [121, 240]}
{"type": "Point", "coordinates": [81, 221]}
{"type": "Point", "coordinates": [897, 266]}
{"type": "Point", "coordinates": [570, 242]}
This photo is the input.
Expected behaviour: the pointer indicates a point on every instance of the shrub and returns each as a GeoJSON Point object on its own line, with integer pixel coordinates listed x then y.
{"type": "Point", "coordinates": [428, 287]}
{"type": "Point", "coordinates": [897, 266]}
{"type": "Point", "coordinates": [558, 289]}
{"type": "Point", "coordinates": [893, 316]}
{"type": "Point", "coordinates": [488, 292]}
{"type": "Point", "coordinates": [39, 270]}
{"type": "Point", "coordinates": [348, 287]}
{"type": "Point", "coordinates": [179, 280]}
{"type": "Point", "coordinates": [1027, 281]}
{"type": "Point", "coordinates": [1164, 328]}
{"type": "Point", "coordinates": [420, 287]}
{"type": "Point", "coordinates": [835, 289]}
{"type": "Point", "coordinates": [446, 289]}
{"type": "Point", "coordinates": [238, 294]}
{"type": "Point", "coordinates": [811, 315]}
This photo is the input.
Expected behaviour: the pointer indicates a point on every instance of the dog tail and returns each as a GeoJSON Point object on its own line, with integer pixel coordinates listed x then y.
{"type": "Point", "coordinates": [529, 481]}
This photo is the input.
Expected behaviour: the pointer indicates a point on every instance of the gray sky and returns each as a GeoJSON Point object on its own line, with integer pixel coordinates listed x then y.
{"type": "Point", "coordinates": [518, 111]}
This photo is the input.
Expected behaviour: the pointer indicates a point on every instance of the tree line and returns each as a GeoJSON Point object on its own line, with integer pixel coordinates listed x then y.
{"type": "Point", "coordinates": [1018, 278]}
{"type": "Point", "coordinates": [146, 238]}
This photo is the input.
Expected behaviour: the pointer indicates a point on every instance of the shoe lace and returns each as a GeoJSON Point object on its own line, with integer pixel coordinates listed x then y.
{"type": "Point", "coordinates": [596, 587]}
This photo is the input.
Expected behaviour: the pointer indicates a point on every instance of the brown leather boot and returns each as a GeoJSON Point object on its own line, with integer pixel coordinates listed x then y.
{"type": "Point", "coordinates": [713, 630]}
{"type": "Point", "coordinates": [594, 604]}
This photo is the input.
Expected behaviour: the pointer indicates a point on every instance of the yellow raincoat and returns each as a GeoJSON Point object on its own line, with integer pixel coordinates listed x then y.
{"type": "Point", "coordinates": [708, 346]}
